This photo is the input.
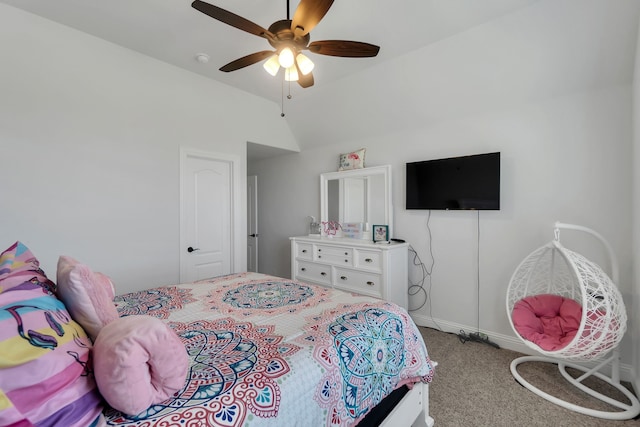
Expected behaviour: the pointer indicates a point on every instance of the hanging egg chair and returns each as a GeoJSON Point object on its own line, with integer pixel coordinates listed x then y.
{"type": "Point", "coordinates": [568, 309]}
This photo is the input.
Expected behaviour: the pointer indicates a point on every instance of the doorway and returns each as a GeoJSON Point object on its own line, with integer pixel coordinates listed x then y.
{"type": "Point", "coordinates": [210, 215]}
{"type": "Point", "coordinates": [252, 223]}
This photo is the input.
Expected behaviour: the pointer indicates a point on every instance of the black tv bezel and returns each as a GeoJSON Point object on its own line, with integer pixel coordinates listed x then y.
{"type": "Point", "coordinates": [493, 205]}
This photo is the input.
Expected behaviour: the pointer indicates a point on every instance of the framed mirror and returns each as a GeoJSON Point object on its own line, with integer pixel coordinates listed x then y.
{"type": "Point", "coordinates": [358, 195]}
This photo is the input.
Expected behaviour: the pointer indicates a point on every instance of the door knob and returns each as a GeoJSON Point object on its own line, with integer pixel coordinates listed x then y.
{"type": "Point", "coordinates": [190, 249]}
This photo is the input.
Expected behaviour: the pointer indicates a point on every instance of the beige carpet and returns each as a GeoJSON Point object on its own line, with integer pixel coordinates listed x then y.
{"type": "Point", "coordinates": [473, 386]}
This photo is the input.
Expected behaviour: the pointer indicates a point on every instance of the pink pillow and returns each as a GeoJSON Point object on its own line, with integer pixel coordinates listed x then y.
{"type": "Point", "coordinates": [549, 321]}
{"type": "Point", "coordinates": [138, 361]}
{"type": "Point", "coordinates": [353, 160]}
{"type": "Point", "coordinates": [87, 295]}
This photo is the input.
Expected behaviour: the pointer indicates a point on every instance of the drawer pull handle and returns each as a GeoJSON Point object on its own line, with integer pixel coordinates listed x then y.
{"type": "Point", "coordinates": [323, 273]}
{"type": "Point", "coordinates": [370, 283]}
{"type": "Point", "coordinates": [303, 269]}
{"type": "Point", "coordinates": [346, 260]}
{"type": "Point", "coordinates": [319, 250]}
{"type": "Point", "coordinates": [346, 253]}
{"type": "Point", "coordinates": [368, 260]}
{"type": "Point", "coordinates": [319, 256]}
{"type": "Point", "coordinates": [304, 251]}
{"type": "Point", "coordinates": [343, 277]}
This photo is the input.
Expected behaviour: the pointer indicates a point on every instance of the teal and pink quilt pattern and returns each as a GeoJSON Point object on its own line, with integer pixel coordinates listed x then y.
{"type": "Point", "coordinates": [267, 351]}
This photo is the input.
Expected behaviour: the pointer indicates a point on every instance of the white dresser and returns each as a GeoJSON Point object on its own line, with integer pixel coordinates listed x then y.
{"type": "Point", "coordinates": [360, 266]}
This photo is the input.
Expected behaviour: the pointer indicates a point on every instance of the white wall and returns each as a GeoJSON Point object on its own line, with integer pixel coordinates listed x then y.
{"type": "Point", "coordinates": [635, 308]}
{"type": "Point", "coordinates": [566, 147]}
{"type": "Point", "coordinates": [550, 48]}
{"type": "Point", "coordinates": [89, 138]}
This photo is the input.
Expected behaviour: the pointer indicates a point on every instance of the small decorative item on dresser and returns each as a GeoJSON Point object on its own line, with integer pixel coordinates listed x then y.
{"type": "Point", "coordinates": [352, 230]}
{"type": "Point", "coordinates": [331, 228]}
{"type": "Point", "coordinates": [380, 233]}
{"type": "Point", "coordinates": [314, 226]}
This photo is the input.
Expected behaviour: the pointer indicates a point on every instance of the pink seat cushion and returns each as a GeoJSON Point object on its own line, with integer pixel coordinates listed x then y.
{"type": "Point", "coordinates": [549, 321]}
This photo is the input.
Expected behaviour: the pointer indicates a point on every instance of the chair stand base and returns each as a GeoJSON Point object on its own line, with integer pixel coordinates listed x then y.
{"type": "Point", "coordinates": [627, 412]}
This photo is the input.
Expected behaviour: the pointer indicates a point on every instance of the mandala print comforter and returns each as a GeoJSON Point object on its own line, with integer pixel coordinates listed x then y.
{"type": "Point", "coordinates": [266, 351]}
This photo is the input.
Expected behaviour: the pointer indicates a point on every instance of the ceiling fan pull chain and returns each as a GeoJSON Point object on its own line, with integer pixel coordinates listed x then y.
{"type": "Point", "coordinates": [282, 99]}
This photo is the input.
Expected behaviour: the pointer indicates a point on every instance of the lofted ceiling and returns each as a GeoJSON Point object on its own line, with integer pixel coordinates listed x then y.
{"type": "Point", "coordinates": [438, 59]}
{"type": "Point", "coordinates": [174, 32]}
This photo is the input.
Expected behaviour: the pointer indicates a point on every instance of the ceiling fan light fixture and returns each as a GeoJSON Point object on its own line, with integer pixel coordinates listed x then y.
{"type": "Point", "coordinates": [291, 74]}
{"type": "Point", "coordinates": [304, 64]}
{"type": "Point", "coordinates": [286, 57]}
{"type": "Point", "coordinates": [272, 65]}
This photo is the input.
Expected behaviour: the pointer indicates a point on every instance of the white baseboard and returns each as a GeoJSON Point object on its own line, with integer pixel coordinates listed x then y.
{"type": "Point", "coordinates": [511, 342]}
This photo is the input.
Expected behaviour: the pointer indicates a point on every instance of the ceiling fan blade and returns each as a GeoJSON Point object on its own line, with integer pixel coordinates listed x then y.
{"type": "Point", "coordinates": [231, 19]}
{"type": "Point", "coordinates": [245, 61]}
{"type": "Point", "coordinates": [344, 48]}
{"type": "Point", "coordinates": [308, 14]}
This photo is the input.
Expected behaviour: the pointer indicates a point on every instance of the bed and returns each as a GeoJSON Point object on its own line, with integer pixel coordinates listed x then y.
{"type": "Point", "coordinates": [265, 351]}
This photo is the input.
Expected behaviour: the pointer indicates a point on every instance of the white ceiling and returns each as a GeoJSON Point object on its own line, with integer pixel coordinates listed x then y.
{"type": "Point", "coordinates": [174, 32]}
{"type": "Point", "coordinates": [438, 60]}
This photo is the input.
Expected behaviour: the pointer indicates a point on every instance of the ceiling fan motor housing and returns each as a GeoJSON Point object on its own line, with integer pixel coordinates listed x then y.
{"type": "Point", "coordinates": [284, 35]}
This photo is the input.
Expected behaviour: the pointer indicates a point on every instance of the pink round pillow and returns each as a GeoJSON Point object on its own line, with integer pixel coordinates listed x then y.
{"type": "Point", "coordinates": [138, 361]}
{"type": "Point", "coordinates": [549, 321]}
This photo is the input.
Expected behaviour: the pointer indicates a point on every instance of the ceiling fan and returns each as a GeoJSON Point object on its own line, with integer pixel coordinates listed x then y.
{"type": "Point", "coordinates": [289, 37]}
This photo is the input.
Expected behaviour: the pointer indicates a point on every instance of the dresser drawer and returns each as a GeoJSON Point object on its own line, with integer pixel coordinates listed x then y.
{"type": "Point", "coordinates": [358, 281]}
{"type": "Point", "coordinates": [317, 273]}
{"type": "Point", "coordinates": [370, 260]}
{"type": "Point", "coordinates": [335, 255]}
{"type": "Point", "coordinates": [304, 251]}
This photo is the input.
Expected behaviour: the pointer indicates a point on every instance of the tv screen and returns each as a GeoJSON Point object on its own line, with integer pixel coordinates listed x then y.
{"type": "Point", "coordinates": [467, 182]}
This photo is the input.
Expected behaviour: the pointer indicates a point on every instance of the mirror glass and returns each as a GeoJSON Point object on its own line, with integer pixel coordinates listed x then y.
{"type": "Point", "coordinates": [359, 195]}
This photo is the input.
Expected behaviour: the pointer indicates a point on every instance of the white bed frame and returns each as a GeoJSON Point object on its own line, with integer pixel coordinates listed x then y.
{"type": "Point", "coordinates": [412, 410]}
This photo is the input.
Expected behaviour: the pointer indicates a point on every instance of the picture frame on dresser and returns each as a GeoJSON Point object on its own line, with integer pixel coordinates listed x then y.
{"type": "Point", "coordinates": [380, 233]}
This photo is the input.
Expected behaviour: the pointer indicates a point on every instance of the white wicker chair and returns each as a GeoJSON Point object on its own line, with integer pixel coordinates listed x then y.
{"type": "Point", "coordinates": [553, 269]}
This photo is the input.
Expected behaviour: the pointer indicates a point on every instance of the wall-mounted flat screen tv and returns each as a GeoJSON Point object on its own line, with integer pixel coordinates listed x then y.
{"type": "Point", "coordinates": [467, 182]}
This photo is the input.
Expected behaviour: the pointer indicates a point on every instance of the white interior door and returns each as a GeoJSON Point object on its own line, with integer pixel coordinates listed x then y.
{"type": "Point", "coordinates": [207, 222]}
{"type": "Point", "coordinates": [252, 223]}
